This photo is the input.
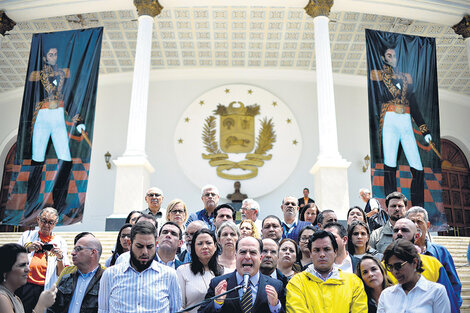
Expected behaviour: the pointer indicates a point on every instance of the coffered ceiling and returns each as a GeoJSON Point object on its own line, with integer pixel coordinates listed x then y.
{"type": "Point", "coordinates": [242, 37]}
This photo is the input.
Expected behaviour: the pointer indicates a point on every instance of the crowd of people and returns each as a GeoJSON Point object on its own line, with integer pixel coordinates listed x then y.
{"type": "Point", "coordinates": [303, 260]}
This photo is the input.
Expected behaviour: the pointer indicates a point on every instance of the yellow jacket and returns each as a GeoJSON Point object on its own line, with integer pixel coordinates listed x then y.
{"type": "Point", "coordinates": [307, 293]}
{"type": "Point", "coordinates": [432, 269]}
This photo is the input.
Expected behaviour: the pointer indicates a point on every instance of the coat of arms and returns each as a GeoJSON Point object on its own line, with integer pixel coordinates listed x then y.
{"type": "Point", "coordinates": [237, 135]}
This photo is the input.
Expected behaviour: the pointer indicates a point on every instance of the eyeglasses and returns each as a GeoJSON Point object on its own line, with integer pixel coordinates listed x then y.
{"type": "Point", "coordinates": [150, 195]}
{"type": "Point", "coordinates": [396, 266]}
{"type": "Point", "coordinates": [304, 239]}
{"type": "Point", "coordinates": [44, 221]}
{"type": "Point", "coordinates": [125, 235]}
{"type": "Point", "coordinates": [176, 212]}
{"type": "Point", "coordinates": [80, 248]}
{"type": "Point", "coordinates": [290, 203]}
{"type": "Point", "coordinates": [210, 194]}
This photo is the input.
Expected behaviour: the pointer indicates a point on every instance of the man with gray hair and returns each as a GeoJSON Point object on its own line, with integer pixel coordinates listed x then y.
{"type": "Point", "coordinates": [154, 198]}
{"type": "Point", "coordinates": [250, 210]}
{"type": "Point", "coordinates": [210, 198]}
{"type": "Point", "coordinates": [291, 225]}
{"type": "Point", "coordinates": [419, 216]}
{"type": "Point", "coordinates": [77, 291]}
{"type": "Point", "coordinates": [372, 205]}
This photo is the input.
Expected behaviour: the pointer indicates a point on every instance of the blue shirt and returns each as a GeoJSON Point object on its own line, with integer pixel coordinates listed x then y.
{"type": "Point", "coordinates": [292, 231]}
{"type": "Point", "coordinates": [123, 289]}
{"type": "Point", "coordinates": [79, 293]}
{"type": "Point", "coordinates": [444, 256]}
{"type": "Point", "coordinates": [202, 216]}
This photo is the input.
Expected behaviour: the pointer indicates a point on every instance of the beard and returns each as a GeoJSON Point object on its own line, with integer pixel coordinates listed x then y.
{"type": "Point", "coordinates": [139, 265]}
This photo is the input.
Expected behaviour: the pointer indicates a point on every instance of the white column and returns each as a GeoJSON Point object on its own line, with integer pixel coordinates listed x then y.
{"type": "Point", "coordinates": [467, 43]}
{"type": "Point", "coordinates": [133, 168]}
{"type": "Point", "coordinates": [330, 170]}
{"type": "Point", "coordinates": [140, 88]}
{"type": "Point", "coordinates": [325, 93]}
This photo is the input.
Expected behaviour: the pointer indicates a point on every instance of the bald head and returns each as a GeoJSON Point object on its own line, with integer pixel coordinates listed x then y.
{"type": "Point", "coordinates": [86, 253]}
{"type": "Point", "coordinates": [405, 229]}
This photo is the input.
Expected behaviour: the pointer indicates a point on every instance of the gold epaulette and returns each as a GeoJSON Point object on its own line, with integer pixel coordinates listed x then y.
{"type": "Point", "coordinates": [34, 76]}
{"type": "Point", "coordinates": [376, 75]}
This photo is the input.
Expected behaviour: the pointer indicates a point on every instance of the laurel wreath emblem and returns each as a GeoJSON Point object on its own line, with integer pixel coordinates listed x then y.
{"type": "Point", "coordinates": [264, 142]}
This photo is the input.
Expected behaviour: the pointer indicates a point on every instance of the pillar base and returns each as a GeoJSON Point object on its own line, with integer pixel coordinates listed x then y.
{"type": "Point", "coordinates": [331, 185]}
{"type": "Point", "coordinates": [115, 222]}
{"type": "Point", "coordinates": [132, 181]}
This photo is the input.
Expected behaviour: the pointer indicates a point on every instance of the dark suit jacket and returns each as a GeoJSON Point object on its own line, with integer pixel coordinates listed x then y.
{"type": "Point", "coordinates": [282, 278]}
{"type": "Point", "coordinates": [233, 306]}
{"type": "Point", "coordinates": [302, 204]}
{"type": "Point", "coordinates": [354, 261]}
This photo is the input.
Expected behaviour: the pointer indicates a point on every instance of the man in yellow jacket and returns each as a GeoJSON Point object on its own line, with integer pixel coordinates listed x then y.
{"type": "Point", "coordinates": [322, 288]}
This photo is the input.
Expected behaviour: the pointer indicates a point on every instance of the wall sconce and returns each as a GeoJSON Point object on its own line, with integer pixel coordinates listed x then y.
{"type": "Point", "coordinates": [107, 158]}
{"type": "Point", "coordinates": [365, 163]}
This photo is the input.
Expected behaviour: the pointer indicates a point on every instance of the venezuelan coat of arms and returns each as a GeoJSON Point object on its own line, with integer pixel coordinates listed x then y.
{"type": "Point", "coordinates": [238, 132]}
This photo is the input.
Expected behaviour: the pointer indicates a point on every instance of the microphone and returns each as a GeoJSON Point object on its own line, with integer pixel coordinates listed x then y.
{"type": "Point", "coordinates": [246, 282]}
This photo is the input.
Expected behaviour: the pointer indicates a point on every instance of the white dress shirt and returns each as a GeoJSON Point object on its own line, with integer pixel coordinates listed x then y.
{"type": "Point", "coordinates": [123, 290]}
{"type": "Point", "coordinates": [346, 266]}
{"type": "Point", "coordinates": [425, 297]}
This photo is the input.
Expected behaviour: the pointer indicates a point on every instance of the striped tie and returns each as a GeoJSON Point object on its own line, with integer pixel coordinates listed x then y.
{"type": "Point", "coordinates": [247, 301]}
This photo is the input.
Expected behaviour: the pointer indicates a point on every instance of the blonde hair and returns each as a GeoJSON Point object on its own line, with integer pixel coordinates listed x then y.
{"type": "Point", "coordinates": [170, 207]}
{"type": "Point", "coordinates": [254, 230]}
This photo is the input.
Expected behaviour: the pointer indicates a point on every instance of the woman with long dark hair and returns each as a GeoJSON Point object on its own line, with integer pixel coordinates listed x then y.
{"type": "Point", "coordinates": [358, 240]}
{"type": "Point", "coordinates": [194, 277]}
{"type": "Point", "coordinates": [122, 244]}
{"type": "Point", "coordinates": [133, 216]}
{"type": "Point", "coordinates": [309, 213]}
{"type": "Point", "coordinates": [14, 269]}
{"type": "Point", "coordinates": [356, 214]}
{"type": "Point", "coordinates": [304, 259]}
{"type": "Point", "coordinates": [372, 274]}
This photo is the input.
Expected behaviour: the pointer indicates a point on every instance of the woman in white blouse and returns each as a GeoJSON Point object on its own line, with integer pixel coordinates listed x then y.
{"type": "Point", "coordinates": [194, 278]}
{"type": "Point", "coordinates": [413, 293]}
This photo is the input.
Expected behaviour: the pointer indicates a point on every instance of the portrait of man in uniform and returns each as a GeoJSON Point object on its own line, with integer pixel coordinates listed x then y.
{"type": "Point", "coordinates": [398, 107]}
{"type": "Point", "coordinates": [403, 112]}
{"type": "Point", "coordinates": [55, 129]}
{"type": "Point", "coordinates": [49, 124]}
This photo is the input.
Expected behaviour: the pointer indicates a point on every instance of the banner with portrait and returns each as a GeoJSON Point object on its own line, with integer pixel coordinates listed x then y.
{"type": "Point", "coordinates": [404, 120]}
{"type": "Point", "coordinates": [55, 132]}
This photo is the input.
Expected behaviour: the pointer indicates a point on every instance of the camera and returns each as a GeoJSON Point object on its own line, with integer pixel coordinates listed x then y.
{"type": "Point", "coordinates": [47, 247]}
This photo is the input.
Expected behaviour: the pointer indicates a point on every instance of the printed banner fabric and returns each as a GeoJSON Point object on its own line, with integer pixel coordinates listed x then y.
{"type": "Point", "coordinates": [404, 120]}
{"type": "Point", "coordinates": [55, 132]}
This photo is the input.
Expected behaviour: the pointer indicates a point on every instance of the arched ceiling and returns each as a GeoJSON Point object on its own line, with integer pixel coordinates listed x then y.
{"type": "Point", "coordinates": [241, 36]}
